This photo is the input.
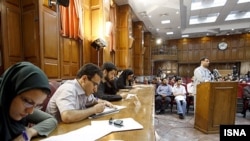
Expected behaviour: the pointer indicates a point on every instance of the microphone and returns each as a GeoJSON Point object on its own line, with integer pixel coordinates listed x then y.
{"type": "Point", "coordinates": [217, 72]}
{"type": "Point", "coordinates": [212, 76]}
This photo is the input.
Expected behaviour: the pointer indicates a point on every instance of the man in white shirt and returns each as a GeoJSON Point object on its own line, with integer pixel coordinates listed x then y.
{"type": "Point", "coordinates": [179, 92]}
{"type": "Point", "coordinates": [190, 87]}
{"type": "Point", "coordinates": [190, 90]}
{"type": "Point", "coordinates": [201, 74]}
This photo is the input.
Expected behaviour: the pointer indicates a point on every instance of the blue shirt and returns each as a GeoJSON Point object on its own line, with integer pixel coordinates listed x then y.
{"type": "Point", "coordinates": [164, 89]}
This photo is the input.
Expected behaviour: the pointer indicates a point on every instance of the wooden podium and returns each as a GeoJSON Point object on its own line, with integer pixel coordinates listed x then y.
{"type": "Point", "coordinates": [215, 105]}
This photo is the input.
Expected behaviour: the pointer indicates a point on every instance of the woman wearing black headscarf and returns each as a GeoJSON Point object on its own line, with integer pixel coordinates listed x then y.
{"type": "Point", "coordinates": [125, 80]}
{"type": "Point", "coordinates": [23, 87]}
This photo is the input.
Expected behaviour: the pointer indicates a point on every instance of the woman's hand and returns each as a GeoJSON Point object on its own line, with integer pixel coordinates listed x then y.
{"type": "Point", "coordinates": [30, 132]}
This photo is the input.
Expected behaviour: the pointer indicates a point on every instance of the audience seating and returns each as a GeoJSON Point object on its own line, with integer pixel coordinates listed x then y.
{"type": "Point", "coordinates": [53, 87]}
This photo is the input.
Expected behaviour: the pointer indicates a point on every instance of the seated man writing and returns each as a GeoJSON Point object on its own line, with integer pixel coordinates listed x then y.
{"type": "Point", "coordinates": [74, 100]}
{"type": "Point", "coordinates": [106, 89]}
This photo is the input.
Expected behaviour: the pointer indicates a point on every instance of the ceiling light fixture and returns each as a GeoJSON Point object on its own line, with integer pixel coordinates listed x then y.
{"type": "Point", "coordinates": [164, 14]}
{"type": "Point", "coordinates": [200, 20]}
{"type": "Point", "coordinates": [236, 15]}
{"type": "Point", "coordinates": [184, 36]}
{"type": "Point", "coordinates": [201, 4]}
{"type": "Point", "coordinates": [170, 33]}
{"type": "Point", "coordinates": [243, 1]}
{"type": "Point", "coordinates": [165, 21]}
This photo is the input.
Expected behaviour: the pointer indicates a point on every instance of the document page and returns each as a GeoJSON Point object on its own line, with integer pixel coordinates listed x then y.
{"type": "Point", "coordinates": [128, 124]}
{"type": "Point", "coordinates": [96, 130]}
{"type": "Point", "coordinates": [87, 133]}
{"type": "Point", "coordinates": [108, 110]}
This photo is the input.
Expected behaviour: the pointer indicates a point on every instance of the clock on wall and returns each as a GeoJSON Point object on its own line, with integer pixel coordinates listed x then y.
{"type": "Point", "coordinates": [222, 45]}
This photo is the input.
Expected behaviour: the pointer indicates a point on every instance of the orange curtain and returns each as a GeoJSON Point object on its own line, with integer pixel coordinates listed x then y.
{"type": "Point", "coordinates": [70, 20]}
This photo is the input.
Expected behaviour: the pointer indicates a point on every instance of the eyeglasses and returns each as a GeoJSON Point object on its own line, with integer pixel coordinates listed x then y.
{"type": "Point", "coordinates": [29, 104]}
{"type": "Point", "coordinates": [93, 82]}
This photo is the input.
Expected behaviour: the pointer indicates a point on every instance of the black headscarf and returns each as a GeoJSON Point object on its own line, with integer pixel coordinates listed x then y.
{"type": "Point", "coordinates": [121, 81]}
{"type": "Point", "coordinates": [16, 79]}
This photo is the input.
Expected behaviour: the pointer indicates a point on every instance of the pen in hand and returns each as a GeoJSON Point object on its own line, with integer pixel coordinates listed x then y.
{"type": "Point", "coordinates": [25, 136]}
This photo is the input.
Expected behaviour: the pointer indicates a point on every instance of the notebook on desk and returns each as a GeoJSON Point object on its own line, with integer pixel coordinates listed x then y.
{"type": "Point", "coordinates": [107, 111]}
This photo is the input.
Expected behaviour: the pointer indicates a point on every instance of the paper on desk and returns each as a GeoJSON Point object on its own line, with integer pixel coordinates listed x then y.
{"type": "Point", "coordinates": [87, 133]}
{"type": "Point", "coordinates": [129, 96]}
{"type": "Point", "coordinates": [128, 124]}
{"type": "Point", "coordinates": [124, 90]}
{"type": "Point", "coordinates": [107, 111]}
{"type": "Point", "coordinates": [96, 130]}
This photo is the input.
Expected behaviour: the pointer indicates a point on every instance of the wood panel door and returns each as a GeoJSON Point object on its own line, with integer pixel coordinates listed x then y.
{"type": "Point", "coordinates": [30, 31]}
{"type": "Point", "coordinates": [49, 41]}
{"type": "Point", "coordinates": [11, 32]}
{"type": "Point", "coordinates": [69, 58]}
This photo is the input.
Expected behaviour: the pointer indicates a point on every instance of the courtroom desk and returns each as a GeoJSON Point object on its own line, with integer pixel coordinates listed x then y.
{"type": "Point", "coordinates": [143, 114]}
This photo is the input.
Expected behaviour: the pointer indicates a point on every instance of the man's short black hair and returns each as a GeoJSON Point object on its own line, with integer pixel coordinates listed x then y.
{"type": "Point", "coordinates": [109, 66]}
{"type": "Point", "coordinates": [90, 70]}
{"type": "Point", "coordinates": [178, 78]}
{"type": "Point", "coordinates": [203, 59]}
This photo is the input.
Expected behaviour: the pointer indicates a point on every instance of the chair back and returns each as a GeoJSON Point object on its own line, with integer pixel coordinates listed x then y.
{"type": "Point", "coordinates": [240, 89]}
{"type": "Point", "coordinates": [53, 87]}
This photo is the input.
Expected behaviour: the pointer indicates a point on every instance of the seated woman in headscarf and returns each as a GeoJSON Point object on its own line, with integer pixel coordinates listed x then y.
{"type": "Point", "coordinates": [125, 80]}
{"type": "Point", "coordinates": [23, 88]}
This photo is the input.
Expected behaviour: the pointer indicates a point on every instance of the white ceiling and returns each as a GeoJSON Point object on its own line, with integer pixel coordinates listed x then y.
{"type": "Point", "coordinates": [152, 12]}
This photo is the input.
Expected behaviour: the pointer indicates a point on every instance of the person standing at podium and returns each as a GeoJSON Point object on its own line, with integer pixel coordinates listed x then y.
{"type": "Point", "coordinates": [201, 74]}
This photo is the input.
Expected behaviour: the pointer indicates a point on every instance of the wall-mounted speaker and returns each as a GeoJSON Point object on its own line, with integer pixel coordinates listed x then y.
{"type": "Point", "coordinates": [64, 3]}
{"type": "Point", "coordinates": [98, 43]}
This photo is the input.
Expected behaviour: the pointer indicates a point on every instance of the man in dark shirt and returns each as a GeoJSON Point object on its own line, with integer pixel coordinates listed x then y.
{"type": "Point", "coordinates": [107, 89]}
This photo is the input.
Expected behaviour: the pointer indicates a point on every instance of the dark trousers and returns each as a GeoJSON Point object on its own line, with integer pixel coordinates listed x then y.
{"type": "Point", "coordinates": [161, 103]}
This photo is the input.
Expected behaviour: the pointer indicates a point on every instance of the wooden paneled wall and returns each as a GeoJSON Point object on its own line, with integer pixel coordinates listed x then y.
{"type": "Point", "coordinates": [69, 57]}
{"type": "Point", "coordinates": [191, 50]}
{"type": "Point", "coordinates": [147, 53]}
{"type": "Point", "coordinates": [124, 52]}
{"type": "Point", "coordinates": [97, 29]}
{"type": "Point", "coordinates": [60, 56]}
{"type": "Point", "coordinates": [11, 32]}
{"type": "Point", "coordinates": [86, 51]}
{"type": "Point", "coordinates": [138, 48]}
{"type": "Point", "coordinates": [30, 31]}
{"type": "Point", "coordinates": [49, 41]}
